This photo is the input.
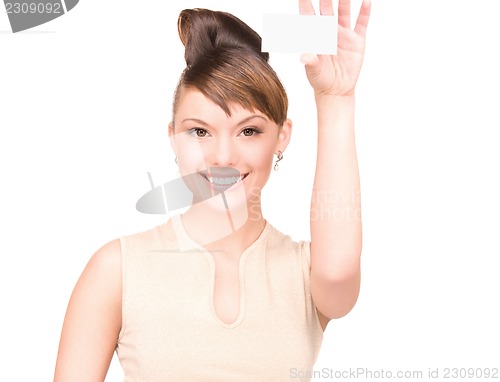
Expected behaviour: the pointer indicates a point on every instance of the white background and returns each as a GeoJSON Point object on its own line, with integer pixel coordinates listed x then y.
{"type": "Point", "coordinates": [84, 107]}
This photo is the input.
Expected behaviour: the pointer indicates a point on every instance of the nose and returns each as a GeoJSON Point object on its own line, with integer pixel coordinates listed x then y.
{"type": "Point", "coordinates": [223, 153]}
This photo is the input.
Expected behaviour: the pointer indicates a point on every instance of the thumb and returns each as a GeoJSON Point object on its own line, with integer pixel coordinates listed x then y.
{"type": "Point", "coordinates": [312, 64]}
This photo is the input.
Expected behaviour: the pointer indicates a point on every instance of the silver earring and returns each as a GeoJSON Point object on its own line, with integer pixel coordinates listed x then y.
{"type": "Point", "coordinates": [280, 157]}
{"type": "Point", "coordinates": [176, 160]}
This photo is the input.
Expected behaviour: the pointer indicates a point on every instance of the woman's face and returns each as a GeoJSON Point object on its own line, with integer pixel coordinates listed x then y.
{"type": "Point", "coordinates": [233, 155]}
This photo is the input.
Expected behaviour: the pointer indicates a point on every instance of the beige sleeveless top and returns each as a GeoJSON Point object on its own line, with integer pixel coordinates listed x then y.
{"type": "Point", "coordinates": [170, 331]}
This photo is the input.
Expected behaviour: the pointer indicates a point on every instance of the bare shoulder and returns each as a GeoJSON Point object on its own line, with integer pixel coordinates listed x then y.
{"type": "Point", "coordinates": [93, 318]}
{"type": "Point", "coordinates": [107, 259]}
{"type": "Point", "coordinates": [102, 275]}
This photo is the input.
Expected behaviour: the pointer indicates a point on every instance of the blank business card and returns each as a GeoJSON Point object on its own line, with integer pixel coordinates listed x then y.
{"type": "Point", "coordinates": [299, 34]}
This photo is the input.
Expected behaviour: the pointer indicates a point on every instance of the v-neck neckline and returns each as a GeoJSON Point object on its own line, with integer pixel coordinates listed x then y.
{"type": "Point", "coordinates": [188, 244]}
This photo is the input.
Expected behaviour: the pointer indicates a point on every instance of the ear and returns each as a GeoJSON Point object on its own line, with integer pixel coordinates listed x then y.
{"type": "Point", "coordinates": [284, 135]}
{"type": "Point", "coordinates": [171, 136]}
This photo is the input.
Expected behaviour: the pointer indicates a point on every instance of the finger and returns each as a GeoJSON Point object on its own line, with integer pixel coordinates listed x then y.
{"type": "Point", "coordinates": [345, 13]}
{"type": "Point", "coordinates": [312, 64]}
{"type": "Point", "coordinates": [326, 8]}
{"type": "Point", "coordinates": [306, 7]}
{"type": "Point", "coordinates": [309, 59]}
{"type": "Point", "coordinates": [363, 17]}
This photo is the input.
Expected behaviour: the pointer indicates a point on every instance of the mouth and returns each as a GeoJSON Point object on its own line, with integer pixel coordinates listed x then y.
{"type": "Point", "coordinates": [224, 181]}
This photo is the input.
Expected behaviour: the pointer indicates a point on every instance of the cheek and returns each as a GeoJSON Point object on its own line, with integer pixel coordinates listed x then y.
{"type": "Point", "coordinates": [190, 157]}
{"type": "Point", "coordinates": [259, 156]}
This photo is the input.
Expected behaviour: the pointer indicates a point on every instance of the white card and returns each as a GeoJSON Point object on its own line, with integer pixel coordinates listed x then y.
{"type": "Point", "coordinates": [299, 34]}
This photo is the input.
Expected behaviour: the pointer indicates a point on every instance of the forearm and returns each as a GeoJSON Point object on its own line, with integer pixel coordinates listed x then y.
{"type": "Point", "coordinates": [335, 206]}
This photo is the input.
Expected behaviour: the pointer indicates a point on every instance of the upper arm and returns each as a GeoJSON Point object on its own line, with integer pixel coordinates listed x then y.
{"type": "Point", "coordinates": [93, 319]}
{"type": "Point", "coordinates": [335, 282]}
{"type": "Point", "coordinates": [334, 298]}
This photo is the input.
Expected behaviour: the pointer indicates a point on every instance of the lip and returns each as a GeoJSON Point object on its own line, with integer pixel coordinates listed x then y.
{"type": "Point", "coordinates": [222, 183]}
{"type": "Point", "coordinates": [220, 172]}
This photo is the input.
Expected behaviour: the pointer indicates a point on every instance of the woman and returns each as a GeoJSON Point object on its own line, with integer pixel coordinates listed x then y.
{"type": "Point", "coordinates": [218, 293]}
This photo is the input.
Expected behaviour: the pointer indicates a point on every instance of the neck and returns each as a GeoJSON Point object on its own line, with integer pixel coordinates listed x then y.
{"type": "Point", "coordinates": [229, 230]}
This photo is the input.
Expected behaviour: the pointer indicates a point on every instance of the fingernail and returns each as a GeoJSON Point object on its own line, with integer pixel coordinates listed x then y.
{"type": "Point", "coordinates": [306, 58]}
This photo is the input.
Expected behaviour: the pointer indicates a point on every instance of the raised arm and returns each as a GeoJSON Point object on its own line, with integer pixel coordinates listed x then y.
{"type": "Point", "coordinates": [335, 206]}
{"type": "Point", "coordinates": [93, 319]}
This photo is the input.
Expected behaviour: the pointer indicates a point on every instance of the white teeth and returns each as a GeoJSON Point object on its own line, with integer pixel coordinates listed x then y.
{"type": "Point", "coordinates": [224, 181]}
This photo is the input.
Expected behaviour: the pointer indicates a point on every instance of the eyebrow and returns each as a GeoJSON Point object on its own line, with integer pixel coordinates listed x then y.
{"type": "Point", "coordinates": [243, 121]}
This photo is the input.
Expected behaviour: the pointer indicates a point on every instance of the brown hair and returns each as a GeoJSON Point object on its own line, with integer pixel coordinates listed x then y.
{"type": "Point", "coordinates": [225, 63]}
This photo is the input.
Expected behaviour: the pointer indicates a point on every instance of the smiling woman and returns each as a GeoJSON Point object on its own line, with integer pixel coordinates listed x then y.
{"type": "Point", "coordinates": [209, 142]}
{"type": "Point", "coordinates": [218, 293]}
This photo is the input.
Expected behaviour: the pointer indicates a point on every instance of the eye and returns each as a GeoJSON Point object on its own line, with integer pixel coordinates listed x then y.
{"type": "Point", "coordinates": [250, 131]}
{"type": "Point", "coordinates": [198, 131]}
{"type": "Point", "coordinates": [201, 133]}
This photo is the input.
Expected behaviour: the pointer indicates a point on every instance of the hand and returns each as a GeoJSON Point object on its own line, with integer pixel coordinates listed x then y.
{"type": "Point", "coordinates": [338, 74]}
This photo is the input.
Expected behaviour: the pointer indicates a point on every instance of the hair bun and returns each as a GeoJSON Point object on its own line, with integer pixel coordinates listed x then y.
{"type": "Point", "coordinates": [203, 32]}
